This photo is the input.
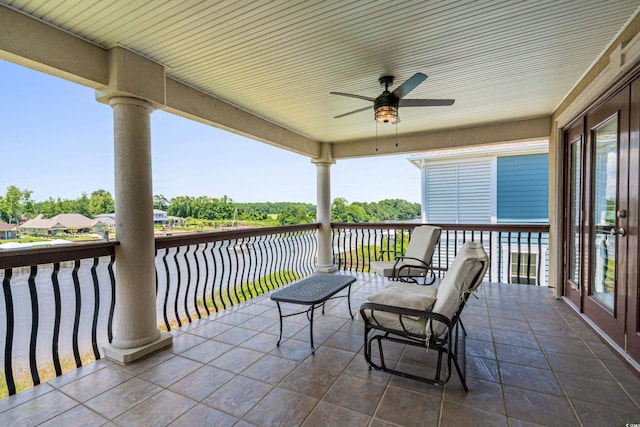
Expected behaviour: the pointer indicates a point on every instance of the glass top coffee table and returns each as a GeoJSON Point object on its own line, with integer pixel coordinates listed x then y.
{"type": "Point", "coordinates": [313, 291]}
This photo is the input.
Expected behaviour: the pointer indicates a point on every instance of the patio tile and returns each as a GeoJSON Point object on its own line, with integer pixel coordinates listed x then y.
{"type": "Point", "coordinates": [76, 374]}
{"type": "Point", "coordinates": [455, 415]}
{"type": "Point", "coordinates": [270, 369]}
{"type": "Point", "coordinates": [533, 406]}
{"type": "Point", "coordinates": [123, 397]}
{"type": "Point", "coordinates": [170, 371]}
{"type": "Point", "coordinates": [326, 414]}
{"type": "Point", "coordinates": [577, 365]}
{"type": "Point", "coordinates": [483, 395]}
{"type": "Point", "coordinates": [263, 342]}
{"type": "Point", "coordinates": [184, 342]}
{"type": "Point", "coordinates": [356, 394]}
{"type": "Point", "coordinates": [281, 407]}
{"type": "Point", "coordinates": [345, 341]}
{"type": "Point", "coordinates": [596, 390]}
{"type": "Point", "coordinates": [537, 379]}
{"type": "Point", "coordinates": [527, 340]}
{"type": "Point", "coordinates": [407, 408]}
{"type": "Point", "coordinates": [309, 380]}
{"type": "Point", "coordinates": [24, 396]}
{"type": "Point", "coordinates": [237, 359]}
{"type": "Point", "coordinates": [479, 348]}
{"type": "Point", "coordinates": [238, 395]}
{"type": "Point", "coordinates": [331, 358]}
{"type": "Point", "coordinates": [522, 356]}
{"type": "Point", "coordinates": [92, 385]}
{"type": "Point", "coordinates": [38, 410]}
{"type": "Point", "coordinates": [76, 417]}
{"type": "Point", "coordinates": [292, 349]}
{"type": "Point", "coordinates": [236, 335]}
{"type": "Point", "coordinates": [160, 409]}
{"type": "Point", "coordinates": [485, 369]}
{"type": "Point", "coordinates": [202, 415]}
{"type": "Point", "coordinates": [211, 329]}
{"type": "Point", "coordinates": [593, 414]}
{"type": "Point", "coordinates": [561, 345]}
{"type": "Point", "coordinates": [207, 351]}
{"type": "Point", "coordinates": [202, 382]}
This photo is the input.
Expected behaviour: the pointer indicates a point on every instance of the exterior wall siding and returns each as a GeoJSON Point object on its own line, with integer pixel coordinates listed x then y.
{"type": "Point", "coordinates": [522, 189]}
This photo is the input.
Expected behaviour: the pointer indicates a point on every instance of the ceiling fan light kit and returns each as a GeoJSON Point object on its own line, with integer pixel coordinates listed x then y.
{"type": "Point", "coordinates": [386, 105]}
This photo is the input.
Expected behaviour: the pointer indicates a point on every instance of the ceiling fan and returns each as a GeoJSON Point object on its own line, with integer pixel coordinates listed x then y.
{"type": "Point", "coordinates": [387, 103]}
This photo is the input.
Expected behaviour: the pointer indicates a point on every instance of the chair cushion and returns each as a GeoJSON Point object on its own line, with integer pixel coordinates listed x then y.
{"type": "Point", "coordinates": [402, 298]}
{"type": "Point", "coordinates": [385, 269]}
{"type": "Point", "coordinates": [464, 275]}
{"type": "Point", "coordinates": [422, 243]}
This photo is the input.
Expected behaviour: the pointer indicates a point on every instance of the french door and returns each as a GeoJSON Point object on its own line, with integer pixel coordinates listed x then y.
{"type": "Point", "coordinates": [606, 215]}
{"type": "Point", "coordinates": [601, 217]}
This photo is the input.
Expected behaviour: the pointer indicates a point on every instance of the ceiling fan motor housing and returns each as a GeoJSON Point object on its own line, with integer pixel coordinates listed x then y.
{"type": "Point", "coordinates": [381, 106]}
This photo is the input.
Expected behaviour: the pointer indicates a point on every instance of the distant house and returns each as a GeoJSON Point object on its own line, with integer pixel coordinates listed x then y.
{"type": "Point", "coordinates": [505, 183]}
{"type": "Point", "coordinates": [8, 231]}
{"type": "Point", "coordinates": [68, 223]}
{"type": "Point", "coordinates": [159, 216]}
{"type": "Point", "coordinates": [109, 220]}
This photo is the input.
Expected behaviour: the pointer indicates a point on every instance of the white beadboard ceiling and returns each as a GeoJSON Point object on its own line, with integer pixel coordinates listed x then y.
{"type": "Point", "coordinates": [500, 60]}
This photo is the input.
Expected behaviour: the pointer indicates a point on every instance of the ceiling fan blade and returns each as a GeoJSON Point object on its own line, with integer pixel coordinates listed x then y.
{"type": "Point", "coordinates": [410, 84]}
{"type": "Point", "coordinates": [426, 102]}
{"type": "Point", "coordinates": [353, 112]}
{"type": "Point", "coordinates": [350, 95]}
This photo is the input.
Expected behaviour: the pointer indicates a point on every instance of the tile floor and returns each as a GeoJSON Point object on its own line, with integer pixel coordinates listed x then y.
{"type": "Point", "coordinates": [530, 361]}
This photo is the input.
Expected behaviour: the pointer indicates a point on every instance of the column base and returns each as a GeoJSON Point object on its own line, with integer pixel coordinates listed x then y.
{"type": "Point", "coordinates": [326, 268]}
{"type": "Point", "coordinates": [128, 355]}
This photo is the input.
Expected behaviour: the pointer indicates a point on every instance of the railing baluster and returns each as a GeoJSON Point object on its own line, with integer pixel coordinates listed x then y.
{"type": "Point", "coordinates": [178, 286]}
{"type": "Point", "coordinates": [8, 342]}
{"type": "Point", "coordinates": [197, 281]}
{"type": "Point", "coordinates": [166, 290]}
{"type": "Point", "coordinates": [57, 302]}
{"type": "Point", "coordinates": [112, 306]}
{"type": "Point", "coordinates": [206, 278]}
{"type": "Point", "coordinates": [78, 309]}
{"type": "Point", "coordinates": [187, 290]}
{"type": "Point", "coordinates": [35, 320]}
{"type": "Point", "coordinates": [96, 309]}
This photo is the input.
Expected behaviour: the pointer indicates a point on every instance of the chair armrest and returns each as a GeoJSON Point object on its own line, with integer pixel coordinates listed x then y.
{"type": "Point", "coordinates": [370, 321]}
{"type": "Point", "coordinates": [390, 251]}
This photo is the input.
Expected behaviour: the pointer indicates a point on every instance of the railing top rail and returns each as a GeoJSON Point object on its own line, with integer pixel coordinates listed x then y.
{"type": "Point", "coordinates": [215, 236]}
{"type": "Point", "coordinates": [525, 228]}
{"type": "Point", "coordinates": [48, 255]}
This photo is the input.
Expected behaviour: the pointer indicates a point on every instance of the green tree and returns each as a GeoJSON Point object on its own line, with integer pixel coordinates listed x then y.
{"type": "Point", "coordinates": [101, 202]}
{"type": "Point", "coordinates": [15, 203]}
{"type": "Point", "coordinates": [160, 202]}
{"type": "Point", "coordinates": [295, 214]}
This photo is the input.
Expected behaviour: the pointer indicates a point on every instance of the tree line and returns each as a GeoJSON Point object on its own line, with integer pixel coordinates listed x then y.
{"type": "Point", "coordinates": [18, 204]}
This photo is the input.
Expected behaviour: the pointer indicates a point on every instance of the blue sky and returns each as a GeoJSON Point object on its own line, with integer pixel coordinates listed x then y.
{"type": "Point", "coordinates": [57, 140]}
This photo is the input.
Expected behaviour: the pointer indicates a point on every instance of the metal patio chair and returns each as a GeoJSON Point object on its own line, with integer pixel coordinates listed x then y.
{"type": "Point", "coordinates": [415, 262]}
{"type": "Point", "coordinates": [426, 316]}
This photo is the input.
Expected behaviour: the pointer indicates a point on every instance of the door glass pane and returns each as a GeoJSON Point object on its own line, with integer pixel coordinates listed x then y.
{"type": "Point", "coordinates": [603, 243]}
{"type": "Point", "coordinates": [574, 212]}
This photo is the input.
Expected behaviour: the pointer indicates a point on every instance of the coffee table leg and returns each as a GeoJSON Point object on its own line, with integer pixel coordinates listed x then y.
{"type": "Point", "coordinates": [349, 301]}
{"type": "Point", "coordinates": [313, 351]}
{"type": "Point", "coordinates": [280, 313]}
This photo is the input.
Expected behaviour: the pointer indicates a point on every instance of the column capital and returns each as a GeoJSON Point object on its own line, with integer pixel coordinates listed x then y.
{"type": "Point", "coordinates": [132, 75]}
{"type": "Point", "coordinates": [325, 158]}
{"type": "Point", "coordinates": [129, 100]}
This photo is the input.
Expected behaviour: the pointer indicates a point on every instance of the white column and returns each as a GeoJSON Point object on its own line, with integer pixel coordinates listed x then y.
{"type": "Point", "coordinates": [323, 211]}
{"type": "Point", "coordinates": [136, 331]}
